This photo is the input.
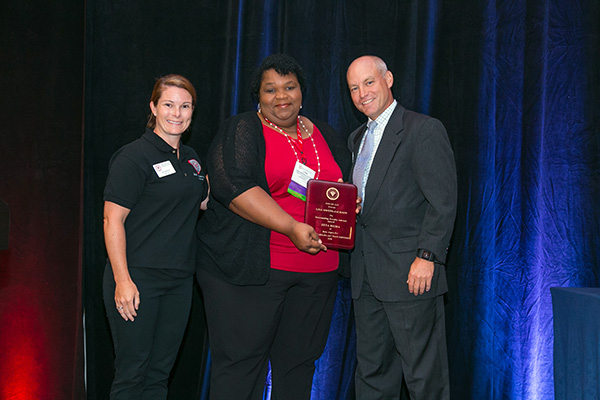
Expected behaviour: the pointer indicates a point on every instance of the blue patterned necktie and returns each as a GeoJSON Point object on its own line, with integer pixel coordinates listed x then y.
{"type": "Point", "coordinates": [361, 167]}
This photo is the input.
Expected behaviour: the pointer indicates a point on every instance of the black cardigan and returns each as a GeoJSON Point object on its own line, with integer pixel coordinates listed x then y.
{"type": "Point", "coordinates": [229, 246]}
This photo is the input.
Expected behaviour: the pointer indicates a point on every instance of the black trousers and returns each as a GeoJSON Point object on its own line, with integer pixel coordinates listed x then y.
{"type": "Point", "coordinates": [145, 349]}
{"type": "Point", "coordinates": [396, 339]}
{"type": "Point", "coordinates": [286, 321]}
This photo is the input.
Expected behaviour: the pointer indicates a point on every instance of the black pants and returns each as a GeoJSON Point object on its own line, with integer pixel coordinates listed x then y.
{"type": "Point", "coordinates": [145, 349]}
{"type": "Point", "coordinates": [286, 321]}
{"type": "Point", "coordinates": [400, 338]}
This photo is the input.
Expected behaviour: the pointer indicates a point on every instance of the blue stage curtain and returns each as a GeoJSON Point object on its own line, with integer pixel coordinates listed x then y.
{"type": "Point", "coordinates": [529, 188]}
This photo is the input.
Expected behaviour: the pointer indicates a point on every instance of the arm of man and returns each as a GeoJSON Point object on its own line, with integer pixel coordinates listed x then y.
{"type": "Point", "coordinates": [127, 296]}
{"type": "Point", "coordinates": [435, 171]}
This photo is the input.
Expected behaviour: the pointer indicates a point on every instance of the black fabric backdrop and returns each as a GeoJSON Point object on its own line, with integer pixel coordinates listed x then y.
{"type": "Point", "coordinates": [516, 83]}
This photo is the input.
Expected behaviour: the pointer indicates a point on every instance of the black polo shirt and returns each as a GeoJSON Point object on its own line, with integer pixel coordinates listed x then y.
{"type": "Point", "coordinates": [164, 195]}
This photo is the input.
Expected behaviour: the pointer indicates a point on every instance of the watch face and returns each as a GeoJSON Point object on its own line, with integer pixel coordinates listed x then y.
{"type": "Point", "coordinates": [426, 255]}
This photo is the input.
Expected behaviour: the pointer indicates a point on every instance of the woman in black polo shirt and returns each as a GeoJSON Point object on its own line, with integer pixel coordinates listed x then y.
{"type": "Point", "coordinates": [152, 198]}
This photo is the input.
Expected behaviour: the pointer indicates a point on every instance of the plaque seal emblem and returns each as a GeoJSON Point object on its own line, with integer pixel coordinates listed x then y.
{"type": "Point", "coordinates": [333, 194]}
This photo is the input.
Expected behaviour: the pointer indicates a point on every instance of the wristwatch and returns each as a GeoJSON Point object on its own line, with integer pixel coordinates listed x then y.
{"type": "Point", "coordinates": [425, 255]}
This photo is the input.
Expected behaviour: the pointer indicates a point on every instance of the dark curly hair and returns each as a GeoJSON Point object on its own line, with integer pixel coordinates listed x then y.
{"type": "Point", "coordinates": [283, 65]}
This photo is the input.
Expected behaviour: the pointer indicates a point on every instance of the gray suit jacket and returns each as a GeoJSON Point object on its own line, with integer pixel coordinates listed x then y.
{"type": "Point", "coordinates": [410, 204]}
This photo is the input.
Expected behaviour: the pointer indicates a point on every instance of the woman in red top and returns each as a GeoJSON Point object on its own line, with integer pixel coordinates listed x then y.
{"type": "Point", "coordinates": [269, 284]}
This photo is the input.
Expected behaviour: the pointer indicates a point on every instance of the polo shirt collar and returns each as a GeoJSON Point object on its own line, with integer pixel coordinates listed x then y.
{"type": "Point", "coordinates": [157, 141]}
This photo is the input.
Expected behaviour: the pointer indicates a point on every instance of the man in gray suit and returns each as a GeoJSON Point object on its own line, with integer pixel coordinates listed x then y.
{"type": "Point", "coordinates": [405, 172]}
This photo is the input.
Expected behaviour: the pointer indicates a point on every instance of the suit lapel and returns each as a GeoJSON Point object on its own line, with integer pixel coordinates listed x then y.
{"type": "Point", "coordinates": [385, 152]}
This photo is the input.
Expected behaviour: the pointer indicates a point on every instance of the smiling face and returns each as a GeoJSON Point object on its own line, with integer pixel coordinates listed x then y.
{"type": "Point", "coordinates": [173, 112]}
{"type": "Point", "coordinates": [280, 98]}
{"type": "Point", "coordinates": [370, 86]}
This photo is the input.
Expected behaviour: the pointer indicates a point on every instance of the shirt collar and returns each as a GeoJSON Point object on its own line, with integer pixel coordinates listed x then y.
{"type": "Point", "coordinates": [384, 117]}
{"type": "Point", "coordinates": [157, 141]}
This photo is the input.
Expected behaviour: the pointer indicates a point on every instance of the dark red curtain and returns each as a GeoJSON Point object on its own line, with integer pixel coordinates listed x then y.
{"type": "Point", "coordinates": [41, 330]}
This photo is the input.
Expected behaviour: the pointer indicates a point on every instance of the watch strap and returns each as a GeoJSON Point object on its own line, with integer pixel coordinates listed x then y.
{"type": "Point", "coordinates": [426, 255]}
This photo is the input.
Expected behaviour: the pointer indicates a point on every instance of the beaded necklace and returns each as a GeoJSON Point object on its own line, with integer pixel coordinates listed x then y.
{"type": "Point", "coordinates": [300, 143]}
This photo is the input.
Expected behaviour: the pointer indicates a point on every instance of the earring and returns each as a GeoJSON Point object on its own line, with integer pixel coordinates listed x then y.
{"type": "Point", "coordinates": [258, 108]}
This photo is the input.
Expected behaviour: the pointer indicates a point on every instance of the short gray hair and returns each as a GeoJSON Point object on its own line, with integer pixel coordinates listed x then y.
{"type": "Point", "coordinates": [380, 65]}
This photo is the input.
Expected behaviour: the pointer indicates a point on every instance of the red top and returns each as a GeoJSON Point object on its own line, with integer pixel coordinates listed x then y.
{"type": "Point", "coordinates": [279, 166]}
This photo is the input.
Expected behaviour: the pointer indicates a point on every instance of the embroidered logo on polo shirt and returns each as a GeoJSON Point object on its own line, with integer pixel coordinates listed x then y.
{"type": "Point", "coordinates": [196, 165]}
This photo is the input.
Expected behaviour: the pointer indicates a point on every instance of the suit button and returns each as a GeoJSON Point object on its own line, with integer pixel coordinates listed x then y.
{"type": "Point", "coordinates": [363, 225]}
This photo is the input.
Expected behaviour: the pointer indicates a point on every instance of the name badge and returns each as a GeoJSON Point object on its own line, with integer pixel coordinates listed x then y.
{"type": "Point", "coordinates": [164, 168]}
{"type": "Point", "coordinates": [302, 174]}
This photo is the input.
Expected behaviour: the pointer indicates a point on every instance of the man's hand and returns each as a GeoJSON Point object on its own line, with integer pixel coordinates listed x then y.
{"type": "Point", "coordinates": [419, 276]}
